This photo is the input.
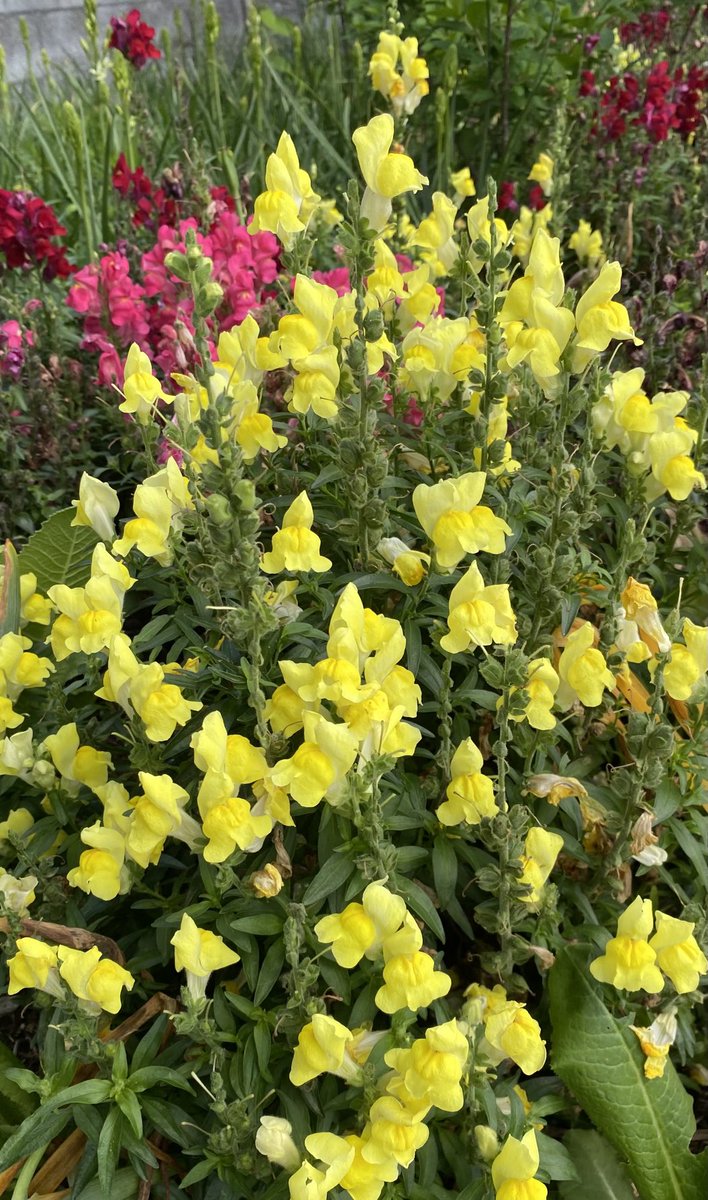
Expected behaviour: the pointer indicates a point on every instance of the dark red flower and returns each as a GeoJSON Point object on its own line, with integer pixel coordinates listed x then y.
{"type": "Point", "coordinates": [506, 197]}
{"type": "Point", "coordinates": [28, 229]}
{"type": "Point", "coordinates": [133, 38]}
{"type": "Point", "coordinates": [537, 199]}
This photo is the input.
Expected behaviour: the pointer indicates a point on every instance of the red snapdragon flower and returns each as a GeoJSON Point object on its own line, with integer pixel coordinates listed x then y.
{"type": "Point", "coordinates": [133, 38]}
{"type": "Point", "coordinates": [506, 198]}
{"type": "Point", "coordinates": [28, 229]}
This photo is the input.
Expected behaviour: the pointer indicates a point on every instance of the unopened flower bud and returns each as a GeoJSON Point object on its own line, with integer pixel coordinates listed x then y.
{"type": "Point", "coordinates": [268, 881]}
{"type": "Point", "coordinates": [487, 1142]}
{"type": "Point", "coordinates": [274, 1141]}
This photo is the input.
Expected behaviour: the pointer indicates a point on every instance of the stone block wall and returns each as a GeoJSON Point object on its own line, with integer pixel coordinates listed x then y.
{"type": "Point", "coordinates": [57, 25]}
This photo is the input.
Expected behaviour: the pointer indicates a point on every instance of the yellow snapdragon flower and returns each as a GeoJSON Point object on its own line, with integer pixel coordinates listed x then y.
{"type": "Point", "coordinates": [365, 1180]}
{"type": "Point", "coordinates": [429, 1072]}
{"type": "Point", "coordinates": [541, 685]}
{"type": "Point", "coordinates": [289, 201]}
{"type": "Point", "coordinates": [386, 174]}
{"type": "Point", "coordinates": [587, 244]}
{"type": "Point", "coordinates": [95, 980]}
{"type": "Point", "coordinates": [436, 234]}
{"type": "Point", "coordinates": [323, 1045]}
{"type": "Point", "coordinates": [34, 607]}
{"type": "Point", "coordinates": [149, 530]}
{"type": "Point", "coordinates": [439, 355]}
{"type": "Point", "coordinates": [318, 768]}
{"type": "Point", "coordinates": [335, 1155]}
{"type": "Point", "coordinates": [18, 820]}
{"type": "Point", "coordinates": [509, 1029]}
{"type": "Point", "coordinates": [541, 849]}
{"type": "Point", "coordinates": [463, 185]}
{"type": "Point", "coordinates": [75, 763]}
{"type": "Point", "coordinates": [34, 965]}
{"type": "Point", "coordinates": [454, 520]}
{"type": "Point", "coordinates": [479, 227]}
{"type": "Point", "coordinates": [410, 565]}
{"type": "Point", "coordinates": [410, 978]}
{"type": "Point", "coordinates": [362, 929]}
{"type": "Point", "coordinates": [101, 871]}
{"type": "Point", "coordinates": [678, 954]}
{"type": "Point", "coordinates": [479, 614]}
{"type": "Point", "coordinates": [158, 813]}
{"type": "Point", "coordinates": [404, 89]}
{"type": "Point", "coordinates": [141, 390]}
{"type": "Point", "coordinates": [97, 507]}
{"type": "Point", "coordinates": [199, 952]}
{"type": "Point", "coordinates": [599, 319]}
{"type": "Point", "coordinates": [629, 961]}
{"type": "Point", "coordinates": [542, 173]}
{"type": "Point", "coordinates": [394, 1132]}
{"type": "Point", "coordinates": [470, 794]}
{"type": "Point", "coordinates": [20, 668]}
{"type": "Point", "coordinates": [583, 672]}
{"type": "Point", "coordinates": [514, 1168]}
{"type": "Point", "coordinates": [295, 547]}
{"type": "Point", "coordinates": [687, 664]}
{"type": "Point", "coordinates": [161, 706]}
{"type": "Point", "coordinates": [672, 468]}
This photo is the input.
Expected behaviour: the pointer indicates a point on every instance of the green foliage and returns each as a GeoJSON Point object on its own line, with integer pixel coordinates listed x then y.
{"type": "Point", "coordinates": [601, 1175]}
{"type": "Point", "coordinates": [59, 552]}
{"type": "Point", "coordinates": [649, 1122]}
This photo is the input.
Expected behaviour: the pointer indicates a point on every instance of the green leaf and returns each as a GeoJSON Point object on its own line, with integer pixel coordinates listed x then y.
{"type": "Point", "coordinates": [421, 904]}
{"type": "Point", "coordinates": [34, 1132]}
{"type": "Point", "coordinates": [109, 1144]}
{"type": "Point", "coordinates": [649, 1122]}
{"type": "Point", "coordinates": [555, 1159]}
{"type": "Point", "coordinates": [444, 869]}
{"type": "Point", "coordinates": [334, 873]}
{"type": "Point", "coordinates": [124, 1187]}
{"type": "Point", "coordinates": [147, 1077]}
{"type": "Point", "coordinates": [198, 1172]}
{"type": "Point", "coordinates": [129, 1105]}
{"type": "Point", "coordinates": [264, 924]}
{"type": "Point", "coordinates": [91, 1091]}
{"type": "Point", "coordinates": [10, 601]}
{"type": "Point", "coordinates": [270, 972]}
{"type": "Point", "coordinates": [601, 1175]}
{"type": "Point", "coordinates": [148, 1047]}
{"type": "Point", "coordinates": [692, 848]}
{"type": "Point", "coordinates": [15, 1102]}
{"type": "Point", "coordinates": [59, 552]}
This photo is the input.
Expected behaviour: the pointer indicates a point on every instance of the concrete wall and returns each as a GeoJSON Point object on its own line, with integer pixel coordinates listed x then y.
{"type": "Point", "coordinates": [57, 25]}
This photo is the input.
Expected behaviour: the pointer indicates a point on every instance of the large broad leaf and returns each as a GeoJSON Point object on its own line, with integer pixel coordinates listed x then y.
{"type": "Point", "coordinates": [59, 552]}
{"type": "Point", "coordinates": [650, 1122]}
{"type": "Point", "coordinates": [601, 1175]}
